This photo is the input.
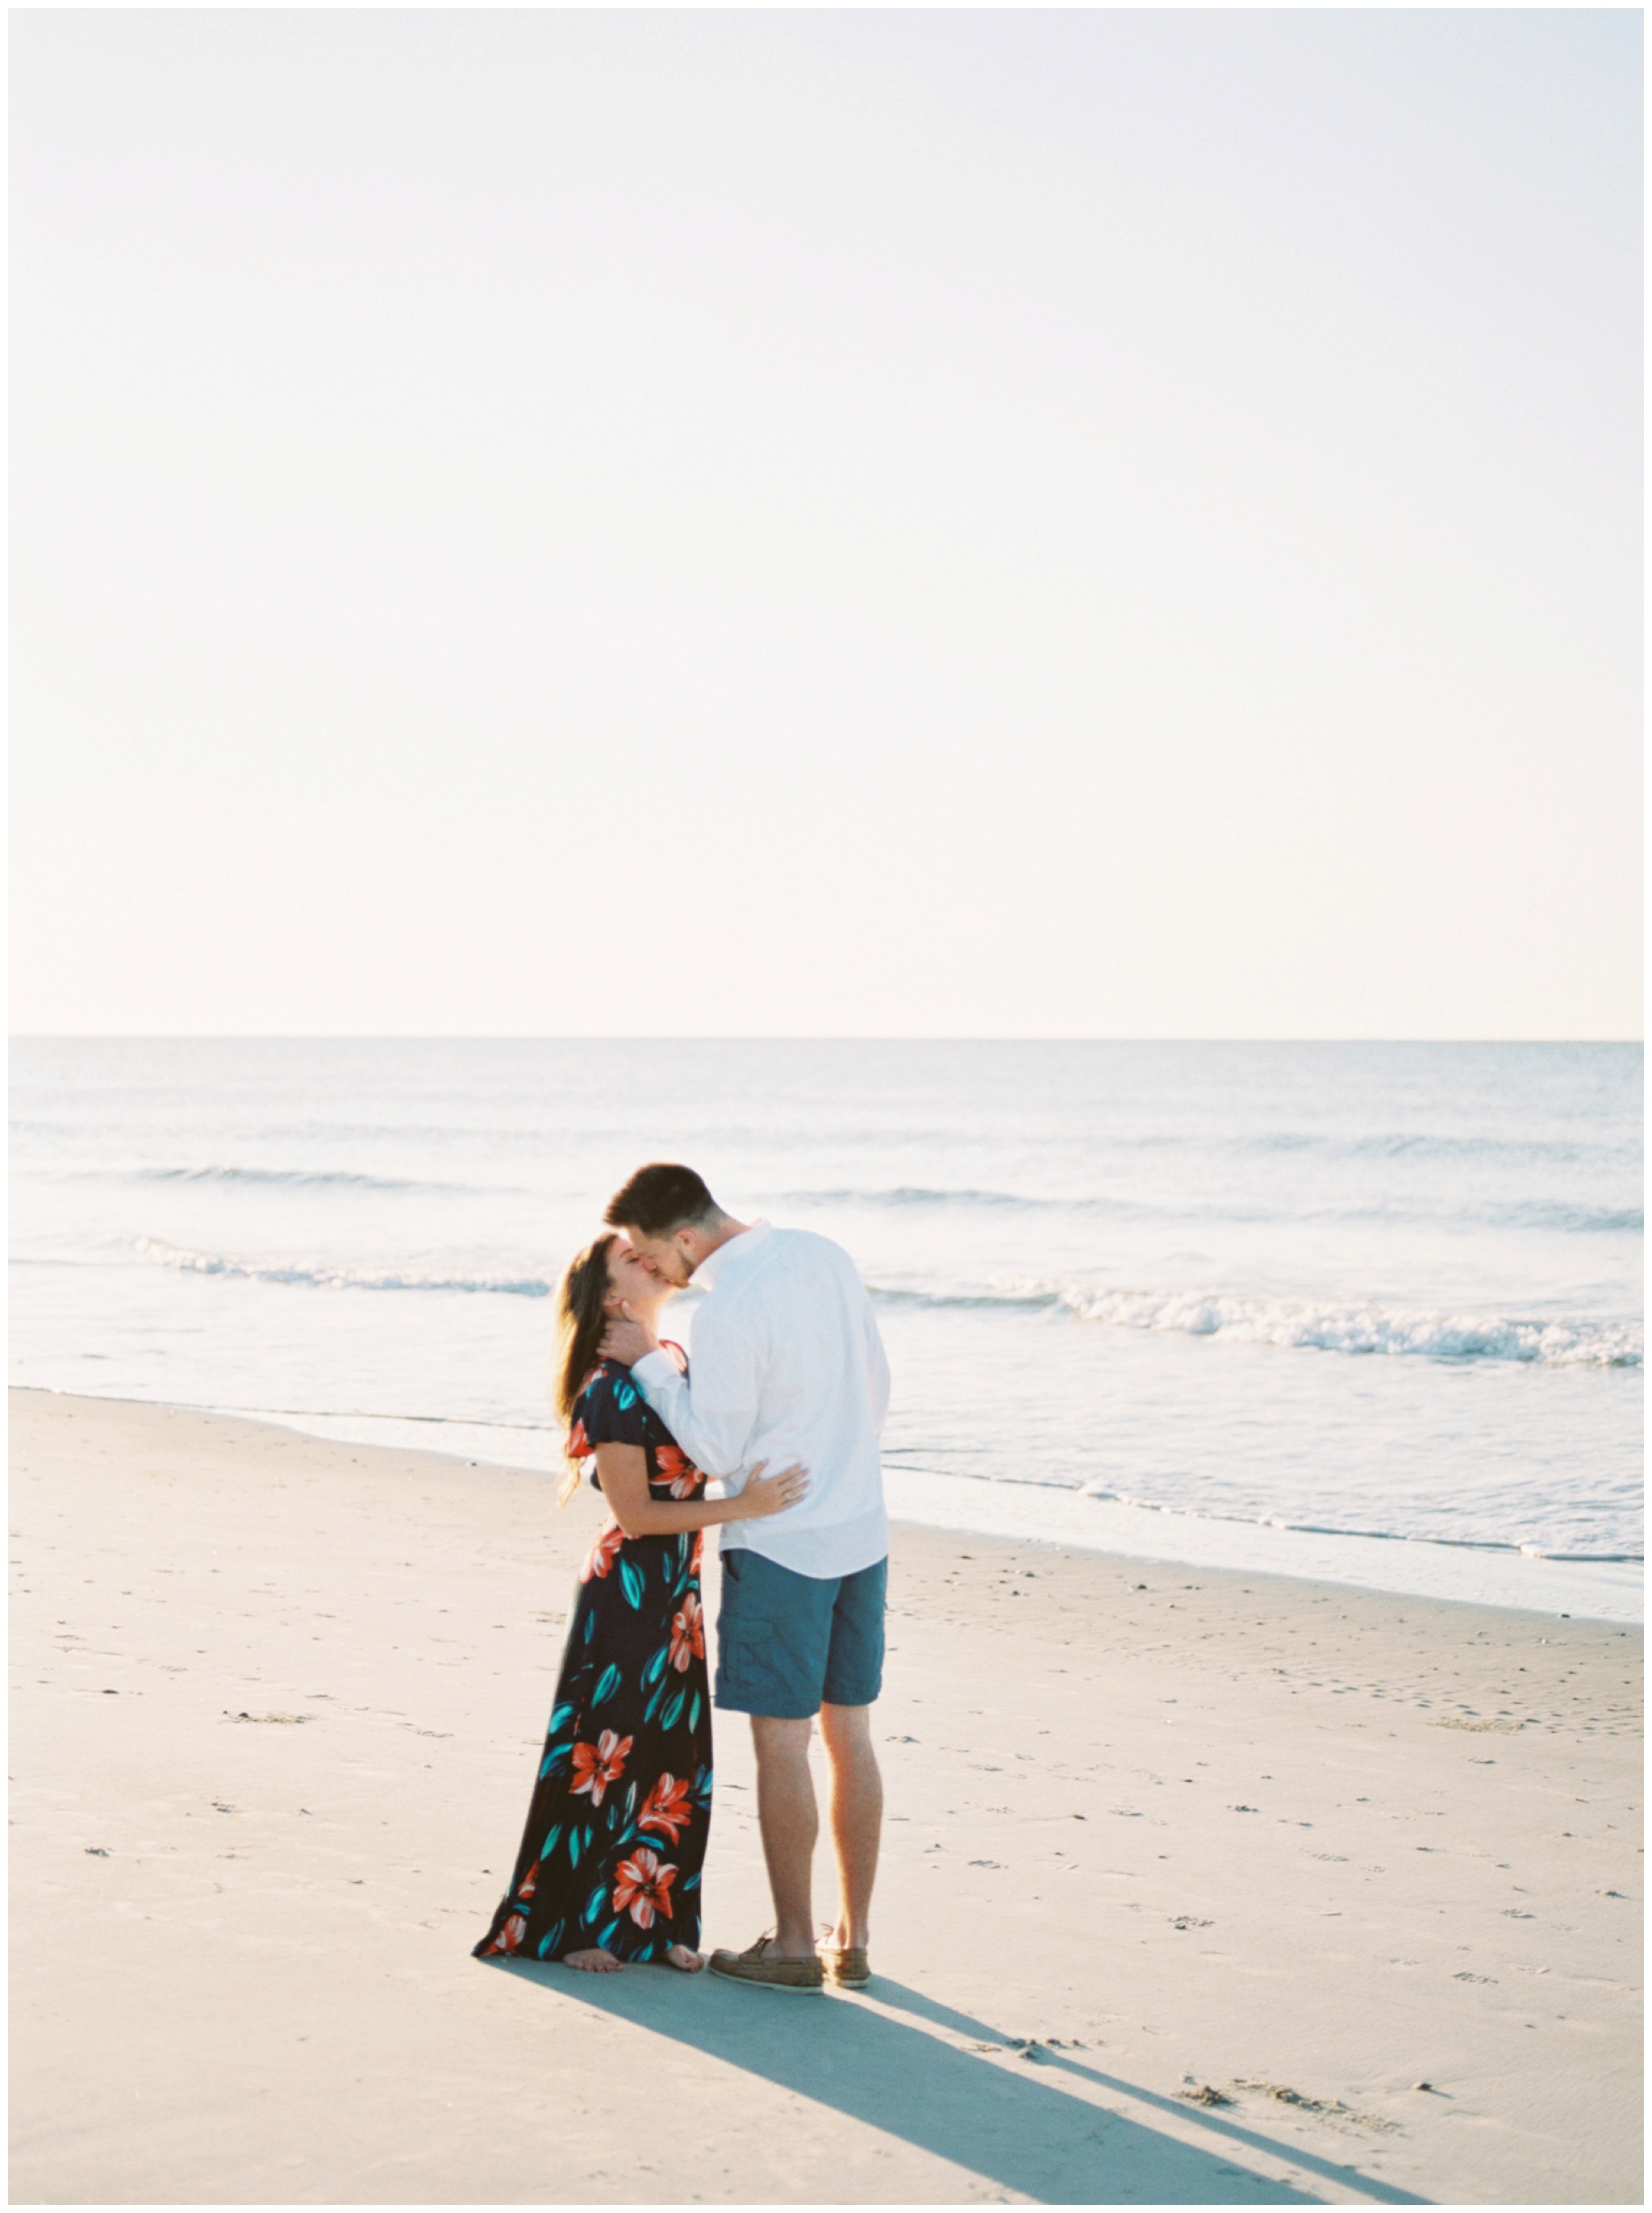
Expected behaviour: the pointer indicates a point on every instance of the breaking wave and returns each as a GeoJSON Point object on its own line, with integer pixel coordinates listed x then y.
{"type": "Point", "coordinates": [1304, 1326]}
{"type": "Point", "coordinates": [351, 1279]}
{"type": "Point", "coordinates": [289, 1179]}
{"type": "Point", "coordinates": [1518, 1214]}
{"type": "Point", "coordinates": [1292, 1325]}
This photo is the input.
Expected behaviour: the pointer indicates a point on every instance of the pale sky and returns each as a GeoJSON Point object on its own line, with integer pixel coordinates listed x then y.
{"type": "Point", "coordinates": [867, 524]}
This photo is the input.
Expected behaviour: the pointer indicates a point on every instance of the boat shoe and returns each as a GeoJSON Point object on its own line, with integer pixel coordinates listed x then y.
{"type": "Point", "coordinates": [761, 1965]}
{"type": "Point", "coordinates": [846, 1963]}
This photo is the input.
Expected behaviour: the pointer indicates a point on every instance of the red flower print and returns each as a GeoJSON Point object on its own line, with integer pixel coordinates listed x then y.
{"type": "Point", "coordinates": [603, 1554]}
{"type": "Point", "coordinates": [514, 1931]}
{"type": "Point", "coordinates": [699, 1549]}
{"type": "Point", "coordinates": [687, 1634]}
{"type": "Point", "coordinates": [644, 1886]}
{"type": "Point", "coordinates": [596, 1765]}
{"type": "Point", "coordinates": [676, 1467]}
{"type": "Point", "coordinates": [666, 1808]}
{"type": "Point", "coordinates": [525, 1889]}
{"type": "Point", "coordinates": [578, 1444]}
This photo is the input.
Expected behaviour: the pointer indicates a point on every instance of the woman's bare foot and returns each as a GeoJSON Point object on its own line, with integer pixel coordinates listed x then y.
{"type": "Point", "coordinates": [597, 1962]}
{"type": "Point", "coordinates": [681, 1956]}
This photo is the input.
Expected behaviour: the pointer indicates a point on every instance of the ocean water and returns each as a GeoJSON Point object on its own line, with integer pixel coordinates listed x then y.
{"type": "Point", "coordinates": [1369, 1310]}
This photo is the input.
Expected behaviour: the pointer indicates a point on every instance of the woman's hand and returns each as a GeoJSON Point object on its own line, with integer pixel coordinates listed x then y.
{"type": "Point", "coordinates": [773, 1494]}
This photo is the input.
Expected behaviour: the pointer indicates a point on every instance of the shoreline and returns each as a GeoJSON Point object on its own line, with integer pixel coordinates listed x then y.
{"type": "Point", "coordinates": [1031, 1512]}
{"type": "Point", "coordinates": [277, 1704]}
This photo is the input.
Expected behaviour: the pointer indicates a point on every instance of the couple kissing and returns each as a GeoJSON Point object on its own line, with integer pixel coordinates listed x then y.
{"type": "Point", "coordinates": [789, 1375]}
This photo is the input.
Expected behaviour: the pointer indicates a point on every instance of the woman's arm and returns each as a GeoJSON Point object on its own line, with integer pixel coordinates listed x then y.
{"type": "Point", "coordinates": [623, 1473]}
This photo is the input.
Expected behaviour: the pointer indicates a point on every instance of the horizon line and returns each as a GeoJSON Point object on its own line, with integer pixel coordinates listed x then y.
{"type": "Point", "coordinates": [586, 1037]}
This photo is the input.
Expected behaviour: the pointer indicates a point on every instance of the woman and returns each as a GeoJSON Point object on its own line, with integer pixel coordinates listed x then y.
{"type": "Point", "coordinates": [609, 1868]}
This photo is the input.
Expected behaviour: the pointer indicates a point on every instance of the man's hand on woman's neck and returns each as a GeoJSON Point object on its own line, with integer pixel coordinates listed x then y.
{"type": "Point", "coordinates": [631, 1335]}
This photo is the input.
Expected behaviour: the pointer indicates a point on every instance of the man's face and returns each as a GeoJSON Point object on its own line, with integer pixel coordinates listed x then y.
{"type": "Point", "coordinates": [662, 1256]}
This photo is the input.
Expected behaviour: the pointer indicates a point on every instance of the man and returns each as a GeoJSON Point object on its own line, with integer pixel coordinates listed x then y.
{"type": "Point", "coordinates": [787, 1366]}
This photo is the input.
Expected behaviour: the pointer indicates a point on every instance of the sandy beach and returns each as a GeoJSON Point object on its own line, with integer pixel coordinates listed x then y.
{"type": "Point", "coordinates": [1191, 1878]}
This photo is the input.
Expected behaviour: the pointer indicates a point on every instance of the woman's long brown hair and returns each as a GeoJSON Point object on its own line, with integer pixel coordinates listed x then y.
{"type": "Point", "coordinates": [580, 1323]}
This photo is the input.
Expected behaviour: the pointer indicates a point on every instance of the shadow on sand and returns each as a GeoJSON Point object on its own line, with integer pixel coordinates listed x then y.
{"type": "Point", "coordinates": [1014, 2123]}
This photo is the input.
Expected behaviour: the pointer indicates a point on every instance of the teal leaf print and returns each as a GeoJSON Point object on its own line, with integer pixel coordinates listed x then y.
{"type": "Point", "coordinates": [596, 1905]}
{"type": "Point", "coordinates": [630, 1581]}
{"type": "Point", "coordinates": [608, 1934]}
{"type": "Point", "coordinates": [562, 1718]}
{"type": "Point", "coordinates": [548, 1944]}
{"type": "Point", "coordinates": [669, 1712]}
{"type": "Point", "coordinates": [607, 1683]}
{"type": "Point", "coordinates": [694, 1712]}
{"type": "Point", "coordinates": [624, 1396]}
{"type": "Point", "coordinates": [691, 1882]}
{"type": "Point", "coordinates": [550, 1844]}
{"type": "Point", "coordinates": [657, 1665]}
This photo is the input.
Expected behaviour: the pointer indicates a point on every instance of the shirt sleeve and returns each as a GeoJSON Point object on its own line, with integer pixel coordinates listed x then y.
{"type": "Point", "coordinates": [611, 1412]}
{"type": "Point", "coordinates": [713, 1416]}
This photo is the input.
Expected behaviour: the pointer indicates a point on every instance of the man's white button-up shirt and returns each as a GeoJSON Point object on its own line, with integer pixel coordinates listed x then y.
{"type": "Point", "coordinates": [788, 1365]}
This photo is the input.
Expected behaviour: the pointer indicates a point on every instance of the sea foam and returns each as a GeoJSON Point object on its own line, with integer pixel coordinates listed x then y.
{"type": "Point", "coordinates": [321, 1278]}
{"type": "Point", "coordinates": [1301, 1325]}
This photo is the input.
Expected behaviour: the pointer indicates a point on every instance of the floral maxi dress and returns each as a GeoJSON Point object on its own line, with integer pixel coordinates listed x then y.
{"type": "Point", "coordinates": [617, 1827]}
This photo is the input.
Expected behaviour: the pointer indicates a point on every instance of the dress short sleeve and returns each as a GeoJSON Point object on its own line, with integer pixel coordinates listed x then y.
{"type": "Point", "coordinates": [611, 1412]}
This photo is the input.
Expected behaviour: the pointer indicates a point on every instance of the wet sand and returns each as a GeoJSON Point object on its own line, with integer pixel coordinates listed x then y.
{"type": "Point", "coordinates": [1190, 1876]}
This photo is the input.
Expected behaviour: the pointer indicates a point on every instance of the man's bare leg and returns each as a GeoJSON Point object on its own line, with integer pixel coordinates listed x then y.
{"type": "Point", "coordinates": [786, 1815]}
{"type": "Point", "coordinates": [855, 1810]}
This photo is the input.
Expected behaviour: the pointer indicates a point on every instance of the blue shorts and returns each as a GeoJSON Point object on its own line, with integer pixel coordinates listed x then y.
{"type": "Point", "coordinates": [789, 1643]}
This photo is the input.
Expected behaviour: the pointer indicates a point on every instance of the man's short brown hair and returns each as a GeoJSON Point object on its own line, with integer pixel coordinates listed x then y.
{"type": "Point", "coordinates": [661, 1199]}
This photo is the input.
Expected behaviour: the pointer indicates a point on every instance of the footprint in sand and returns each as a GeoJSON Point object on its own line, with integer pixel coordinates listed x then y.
{"type": "Point", "coordinates": [1330, 2109]}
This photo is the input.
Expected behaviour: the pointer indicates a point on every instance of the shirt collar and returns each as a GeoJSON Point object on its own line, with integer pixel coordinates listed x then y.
{"type": "Point", "coordinates": [711, 1267]}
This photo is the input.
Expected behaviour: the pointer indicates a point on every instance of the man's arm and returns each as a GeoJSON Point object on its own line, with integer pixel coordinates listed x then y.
{"type": "Point", "coordinates": [712, 1418]}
